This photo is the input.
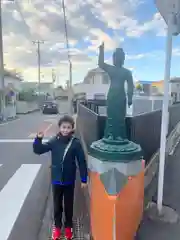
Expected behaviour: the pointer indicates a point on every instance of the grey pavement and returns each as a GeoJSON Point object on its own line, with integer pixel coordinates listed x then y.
{"type": "Point", "coordinates": [24, 177]}
{"type": "Point", "coordinates": [25, 125]}
{"type": "Point", "coordinates": [153, 230]}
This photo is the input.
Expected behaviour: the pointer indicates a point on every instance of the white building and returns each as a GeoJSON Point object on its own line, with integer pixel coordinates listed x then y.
{"type": "Point", "coordinates": [95, 85]}
{"type": "Point", "coordinates": [175, 89]}
{"type": "Point", "coordinates": [12, 85]}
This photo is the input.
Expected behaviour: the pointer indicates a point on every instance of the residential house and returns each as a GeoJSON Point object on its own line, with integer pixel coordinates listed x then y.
{"type": "Point", "coordinates": [152, 87]}
{"type": "Point", "coordinates": [12, 85]}
{"type": "Point", "coordinates": [157, 87]}
{"type": "Point", "coordinates": [95, 85]}
{"type": "Point", "coordinates": [60, 92]}
{"type": "Point", "coordinates": [175, 89]}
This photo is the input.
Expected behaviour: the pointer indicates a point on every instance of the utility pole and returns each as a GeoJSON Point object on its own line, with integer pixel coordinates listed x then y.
{"type": "Point", "coordinates": [2, 86]}
{"type": "Point", "coordinates": [53, 81]}
{"type": "Point", "coordinates": [70, 89]}
{"type": "Point", "coordinates": [38, 42]}
{"type": "Point", "coordinates": [53, 76]}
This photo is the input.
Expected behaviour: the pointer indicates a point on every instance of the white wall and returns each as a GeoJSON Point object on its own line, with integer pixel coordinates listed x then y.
{"type": "Point", "coordinates": [175, 90]}
{"type": "Point", "coordinates": [25, 107]}
{"type": "Point", "coordinates": [175, 87]}
{"type": "Point", "coordinates": [91, 89]}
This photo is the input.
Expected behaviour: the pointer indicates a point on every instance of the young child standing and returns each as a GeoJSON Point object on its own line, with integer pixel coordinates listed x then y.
{"type": "Point", "coordinates": [65, 150]}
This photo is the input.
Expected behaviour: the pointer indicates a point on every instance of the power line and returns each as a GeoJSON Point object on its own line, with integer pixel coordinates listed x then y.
{"type": "Point", "coordinates": [38, 43]}
{"type": "Point", "coordinates": [69, 59]}
{"type": "Point", "coordinates": [66, 32]}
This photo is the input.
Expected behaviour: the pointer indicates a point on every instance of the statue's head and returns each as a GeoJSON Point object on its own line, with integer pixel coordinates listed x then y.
{"type": "Point", "coordinates": [118, 57]}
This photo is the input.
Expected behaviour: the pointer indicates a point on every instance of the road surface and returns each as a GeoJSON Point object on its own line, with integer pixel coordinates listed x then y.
{"type": "Point", "coordinates": [24, 177]}
{"type": "Point", "coordinates": [152, 230]}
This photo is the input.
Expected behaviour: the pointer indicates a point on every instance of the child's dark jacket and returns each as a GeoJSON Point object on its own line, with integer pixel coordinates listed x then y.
{"type": "Point", "coordinates": [63, 172]}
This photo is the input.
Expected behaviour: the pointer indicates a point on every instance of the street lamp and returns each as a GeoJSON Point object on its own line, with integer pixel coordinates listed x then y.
{"type": "Point", "coordinates": [169, 9]}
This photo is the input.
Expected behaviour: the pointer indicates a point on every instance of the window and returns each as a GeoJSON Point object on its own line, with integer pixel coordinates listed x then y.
{"type": "Point", "coordinates": [105, 79]}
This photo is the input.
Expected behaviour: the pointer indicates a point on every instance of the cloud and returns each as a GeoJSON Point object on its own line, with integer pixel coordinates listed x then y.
{"type": "Point", "coordinates": [135, 29]}
{"type": "Point", "coordinates": [89, 22]}
{"type": "Point", "coordinates": [98, 36]}
{"type": "Point", "coordinates": [176, 52]}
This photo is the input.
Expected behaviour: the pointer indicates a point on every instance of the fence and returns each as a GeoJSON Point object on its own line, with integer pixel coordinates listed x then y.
{"type": "Point", "coordinates": [141, 104]}
{"type": "Point", "coordinates": [143, 129]}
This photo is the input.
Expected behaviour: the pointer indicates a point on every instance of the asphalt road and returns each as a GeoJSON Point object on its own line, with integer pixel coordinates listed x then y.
{"type": "Point", "coordinates": [24, 177]}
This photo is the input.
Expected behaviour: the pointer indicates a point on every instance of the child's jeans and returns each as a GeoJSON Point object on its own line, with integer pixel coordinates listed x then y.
{"type": "Point", "coordinates": [59, 193]}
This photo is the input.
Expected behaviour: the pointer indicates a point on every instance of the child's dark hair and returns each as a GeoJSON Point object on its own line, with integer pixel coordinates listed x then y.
{"type": "Point", "coordinates": [67, 119]}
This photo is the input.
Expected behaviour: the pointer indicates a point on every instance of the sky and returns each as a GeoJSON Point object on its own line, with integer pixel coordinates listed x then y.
{"type": "Point", "coordinates": [134, 25]}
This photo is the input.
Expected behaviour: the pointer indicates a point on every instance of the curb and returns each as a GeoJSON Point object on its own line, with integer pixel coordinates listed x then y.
{"type": "Point", "coordinates": [9, 120]}
{"type": "Point", "coordinates": [45, 229]}
{"type": "Point", "coordinates": [28, 112]}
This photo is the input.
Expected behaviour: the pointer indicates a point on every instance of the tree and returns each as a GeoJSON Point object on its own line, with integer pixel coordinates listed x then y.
{"type": "Point", "coordinates": [139, 87]}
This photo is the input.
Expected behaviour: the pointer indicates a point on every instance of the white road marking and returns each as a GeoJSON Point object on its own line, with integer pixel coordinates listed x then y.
{"type": "Point", "coordinates": [13, 195]}
{"type": "Point", "coordinates": [49, 126]}
{"type": "Point", "coordinates": [51, 120]}
{"type": "Point", "coordinates": [0, 165]}
{"type": "Point", "coordinates": [28, 140]}
{"type": "Point", "coordinates": [33, 135]}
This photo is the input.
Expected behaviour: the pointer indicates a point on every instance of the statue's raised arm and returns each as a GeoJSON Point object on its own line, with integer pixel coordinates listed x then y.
{"type": "Point", "coordinates": [101, 62]}
{"type": "Point", "coordinates": [101, 56]}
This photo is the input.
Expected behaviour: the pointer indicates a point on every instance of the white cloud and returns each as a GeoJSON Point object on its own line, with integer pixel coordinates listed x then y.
{"type": "Point", "coordinates": [135, 29]}
{"type": "Point", "coordinates": [98, 36]}
{"type": "Point", "coordinates": [176, 52]}
{"type": "Point", "coordinates": [89, 22]}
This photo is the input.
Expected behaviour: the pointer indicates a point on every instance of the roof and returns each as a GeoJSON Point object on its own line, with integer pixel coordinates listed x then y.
{"type": "Point", "coordinates": [150, 82]}
{"type": "Point", "coordinates": [175, 80]}
{"type": "Point", "coordinates": [145, 82]}
{"type": "Point", "coordinates": [93, 72]}
{"type": "Point", "coordinates": [12, 74]}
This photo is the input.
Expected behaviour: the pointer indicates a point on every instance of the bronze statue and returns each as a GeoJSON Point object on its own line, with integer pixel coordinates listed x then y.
{"type": "Point", "coordinates": [116, 99]}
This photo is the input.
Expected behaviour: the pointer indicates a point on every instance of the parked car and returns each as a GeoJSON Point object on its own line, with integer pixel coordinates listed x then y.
{"type": "Point", "coordinates": [50, 107]}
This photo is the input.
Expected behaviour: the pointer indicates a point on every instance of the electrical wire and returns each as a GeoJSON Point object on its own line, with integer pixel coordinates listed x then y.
{"type": "Point", "coordinates": [66, 32]}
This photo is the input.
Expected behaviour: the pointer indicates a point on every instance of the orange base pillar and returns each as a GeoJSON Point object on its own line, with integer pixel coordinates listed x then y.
{"type": "Point", "coordinates": [115, 216]}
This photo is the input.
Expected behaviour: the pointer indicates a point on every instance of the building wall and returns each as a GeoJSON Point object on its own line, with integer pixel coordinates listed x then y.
{"type": "Point", "coordinates": [95, 85]}
{"type": "Point", "coordinates": [175, 91]}
{"type": "Point", "coordinates": [159, 85]}
{"type": "Point", "coordinates": [12, 87]}
{"type": "Point", "coordinates": [91, 90]}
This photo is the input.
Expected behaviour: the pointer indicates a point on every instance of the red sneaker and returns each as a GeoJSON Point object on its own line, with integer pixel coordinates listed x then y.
{"type": "Point", "coordinates": [68, 233]}
{"type": "Point", "coordinates": [56, 233]}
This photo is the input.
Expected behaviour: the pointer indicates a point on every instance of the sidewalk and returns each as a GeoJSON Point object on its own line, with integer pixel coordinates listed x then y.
{"type": "Point", "coordinates": [150, 230]}
{"type": "Point", "coordinates": [8, 119]}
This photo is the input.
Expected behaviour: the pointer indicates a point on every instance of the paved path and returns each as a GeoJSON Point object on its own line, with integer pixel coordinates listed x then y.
{"type": "Point", "coordinates": [24, 177]}
{"type": "Point", "coordinates": [150, 230]}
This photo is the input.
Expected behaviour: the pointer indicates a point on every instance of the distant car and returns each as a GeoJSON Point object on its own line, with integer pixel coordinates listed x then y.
{"type": "Point", "coordinates": [50, 108]}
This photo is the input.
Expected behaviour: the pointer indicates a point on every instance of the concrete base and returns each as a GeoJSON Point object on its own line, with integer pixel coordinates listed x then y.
{"type": "Point", "coordinates": [168, 214]}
